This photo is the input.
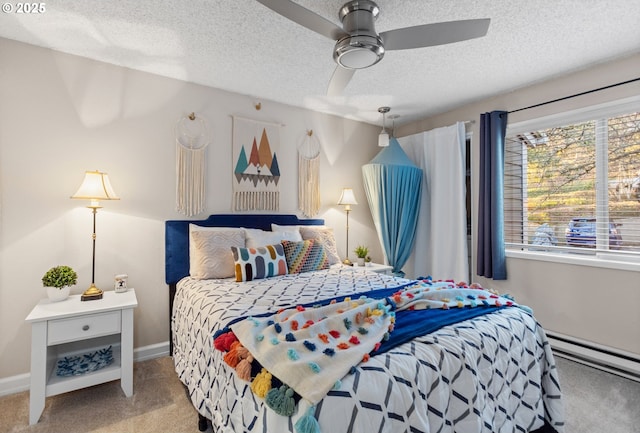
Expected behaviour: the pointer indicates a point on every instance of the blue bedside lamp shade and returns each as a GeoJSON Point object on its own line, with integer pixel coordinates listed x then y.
{"type": "Point", "coordinates": [95, 187]}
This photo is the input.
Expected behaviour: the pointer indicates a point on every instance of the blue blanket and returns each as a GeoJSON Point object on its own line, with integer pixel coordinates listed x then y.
{"type": "Point", "coordinates": [409, 323]}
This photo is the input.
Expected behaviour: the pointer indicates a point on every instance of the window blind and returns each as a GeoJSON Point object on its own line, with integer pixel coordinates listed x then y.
{"type": "Point", "coordinates": [575, 188]}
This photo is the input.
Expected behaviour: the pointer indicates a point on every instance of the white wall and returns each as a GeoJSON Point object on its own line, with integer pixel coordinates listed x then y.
{"type": "Point", "coordinates": [61, 115]}
{"type": "Point", "coordinates": [594, 304]}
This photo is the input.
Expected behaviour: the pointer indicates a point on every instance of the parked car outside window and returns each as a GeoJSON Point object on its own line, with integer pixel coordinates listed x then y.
{"type": "Point", "coordinates": [545, 236]}
{"type": "Point", "coordinates": [581, 232]}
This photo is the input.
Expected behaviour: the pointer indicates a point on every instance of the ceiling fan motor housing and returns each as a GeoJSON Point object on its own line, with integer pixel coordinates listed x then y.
{"type": "Point", "coordinates": [361, 47]}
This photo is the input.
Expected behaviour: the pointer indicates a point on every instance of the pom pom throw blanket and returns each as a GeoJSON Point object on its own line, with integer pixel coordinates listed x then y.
{"type": "Point", "coordinates": [311, 347]}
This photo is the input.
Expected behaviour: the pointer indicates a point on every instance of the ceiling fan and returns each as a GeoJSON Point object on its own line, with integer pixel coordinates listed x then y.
{"type": "Point", "coordinates": [358, 46]}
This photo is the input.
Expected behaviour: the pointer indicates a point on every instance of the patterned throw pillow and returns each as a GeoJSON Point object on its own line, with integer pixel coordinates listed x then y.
{"type": "Point", "coordinates": [305, 256]}
{"type": "Point", "coordinates": [209, 251]}
{"type": "Point", "coordinates": [323, 235]}
{"type": "Point", "coordinates": [261, 262]}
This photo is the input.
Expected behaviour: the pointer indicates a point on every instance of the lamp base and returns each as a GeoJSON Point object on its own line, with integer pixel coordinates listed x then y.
{"type": "Point", "coordinates": [347, 262]}
{"type": "Point", "coordinates": [91, 294]}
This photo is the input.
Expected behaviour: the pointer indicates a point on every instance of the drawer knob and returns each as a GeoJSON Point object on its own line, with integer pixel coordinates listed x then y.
{"type": "Point", "coordinates": [85, 328]}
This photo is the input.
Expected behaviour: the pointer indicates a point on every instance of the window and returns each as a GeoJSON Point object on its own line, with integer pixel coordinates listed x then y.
{"type": "Point", "coordinates": [572, 183]}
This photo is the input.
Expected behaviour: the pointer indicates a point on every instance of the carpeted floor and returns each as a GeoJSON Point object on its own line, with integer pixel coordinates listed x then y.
{"type": "Point", "coordinates": [598, 402]}
{"type": "Point", "coordinates": [595, 402]}
{"type": "Point", "coordinates": [159, 405]}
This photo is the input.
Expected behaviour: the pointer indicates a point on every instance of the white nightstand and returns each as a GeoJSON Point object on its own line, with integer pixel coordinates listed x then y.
{"type": "Point", "coordinates": [374, 267]}
{"type": "Point", "coordinates": [73, 327]}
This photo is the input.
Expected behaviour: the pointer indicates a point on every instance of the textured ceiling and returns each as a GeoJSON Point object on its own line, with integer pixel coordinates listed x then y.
{"type": "Point", "coordinates": [243, 47]}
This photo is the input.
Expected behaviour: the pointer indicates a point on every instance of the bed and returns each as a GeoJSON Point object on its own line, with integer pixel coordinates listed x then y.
{"type": "Point", "coordinates": [493, 372]}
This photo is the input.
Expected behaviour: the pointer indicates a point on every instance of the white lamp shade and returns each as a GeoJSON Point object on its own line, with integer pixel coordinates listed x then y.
{"type": "Point", "coordinates": [383, 139]}
{"type": "Point", "coordinates": [347, 197]}
{"type": "Point", "coordinates": [96, 186]}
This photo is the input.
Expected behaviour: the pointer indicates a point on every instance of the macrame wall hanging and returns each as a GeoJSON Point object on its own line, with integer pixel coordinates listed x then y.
{"type": "Point", "coordinates": [192, 139]}
{"type": "Point", "coordinates": [309, 175]}
{"type": "Point", "coordinates": [256, 172]}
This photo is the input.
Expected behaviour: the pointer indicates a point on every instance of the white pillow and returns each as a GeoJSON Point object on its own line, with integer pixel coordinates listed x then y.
{"type": "Point", "coordinates": [324, 235]}
{"type": "Point", "coordinates": [210, 253]}
{"type": "Point", "coordinates": [292, 233]}
{"type": "Point", "coordinates": [259, 238]}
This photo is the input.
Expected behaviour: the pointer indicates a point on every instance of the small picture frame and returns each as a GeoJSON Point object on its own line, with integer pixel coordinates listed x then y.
{"type": "Point", "coordinates": [120, 283]}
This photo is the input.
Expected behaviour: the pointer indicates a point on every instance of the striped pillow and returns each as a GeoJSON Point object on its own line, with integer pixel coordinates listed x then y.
{"type": "Point", "coordinates": [305, 256]}
{"type": "Point", "coordinates": [261, 262]}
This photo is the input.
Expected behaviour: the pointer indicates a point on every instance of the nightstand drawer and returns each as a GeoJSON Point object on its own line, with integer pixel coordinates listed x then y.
{"type": "Point", "coordinates": [83, 327]}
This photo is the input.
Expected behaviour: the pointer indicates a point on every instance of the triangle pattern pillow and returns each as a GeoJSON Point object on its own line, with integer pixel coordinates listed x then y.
{"type": "Point", "coordinates": [305, 256]}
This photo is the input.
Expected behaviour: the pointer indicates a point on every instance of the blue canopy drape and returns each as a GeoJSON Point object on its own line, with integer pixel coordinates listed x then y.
{"type": "Point", "coordinates": [491, 260]}
{"type": "Point", "coordinates": [392, 183]}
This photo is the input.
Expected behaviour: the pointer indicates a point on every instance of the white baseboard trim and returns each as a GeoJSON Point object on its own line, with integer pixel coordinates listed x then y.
{"type": "Point", "coordinates": [14, 384]}
{"type": "Point", "coordinates": [20, 382]}
{"type": "Point", "coordinates": [150, 352]}
{"type": "Point", "coordinates": [596, 355]}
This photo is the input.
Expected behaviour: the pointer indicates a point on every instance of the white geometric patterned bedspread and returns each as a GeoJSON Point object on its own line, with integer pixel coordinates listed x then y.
{"type": "Point", "coordinates": [494, 373]}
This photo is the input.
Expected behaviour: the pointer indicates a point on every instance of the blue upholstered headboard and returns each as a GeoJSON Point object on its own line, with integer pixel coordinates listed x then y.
{"type": "Point", "coordinates": [176, 239]}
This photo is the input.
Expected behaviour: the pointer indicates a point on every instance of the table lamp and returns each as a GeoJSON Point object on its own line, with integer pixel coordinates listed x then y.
{"type": "Point", "coordinates": [347, 199]}
{"type": "Point", "coordinates": [94, 187]}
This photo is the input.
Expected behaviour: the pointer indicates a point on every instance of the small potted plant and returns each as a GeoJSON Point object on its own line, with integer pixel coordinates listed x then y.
{"type": "Point", "coordinates": [361, 253]}
{"type": "Point", "coordinates": [58, 281]}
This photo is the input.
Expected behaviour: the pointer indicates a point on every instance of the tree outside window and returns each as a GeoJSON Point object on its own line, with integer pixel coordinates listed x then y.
{"type": "Point", "coordinates": [575, 188]}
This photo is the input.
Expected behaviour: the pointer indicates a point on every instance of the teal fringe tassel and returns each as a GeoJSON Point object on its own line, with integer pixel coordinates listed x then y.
{"type": "Point", "coordinates": [308, 423]}
{"type": "Point", "coordinates": [281, 400]}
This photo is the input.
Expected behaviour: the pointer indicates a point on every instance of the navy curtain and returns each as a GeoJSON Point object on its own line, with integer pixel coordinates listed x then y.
{"type": "Point", "coordinates": [491, 261]}
{"type": "Point", "coordinates": [393, 183]}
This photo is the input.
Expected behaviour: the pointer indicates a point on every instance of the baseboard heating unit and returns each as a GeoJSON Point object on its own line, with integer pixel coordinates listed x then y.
{"type": "Point", "coordinates": [605, 358]}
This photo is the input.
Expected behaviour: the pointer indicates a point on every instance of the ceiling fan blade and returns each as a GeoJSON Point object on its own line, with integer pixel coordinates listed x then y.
{"type": "Point", "coordinates": [305, 18]}
{"type": "Point", "coordinates": [429, 35]}
{"type": "Point", "coordinates": [339, 80]}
